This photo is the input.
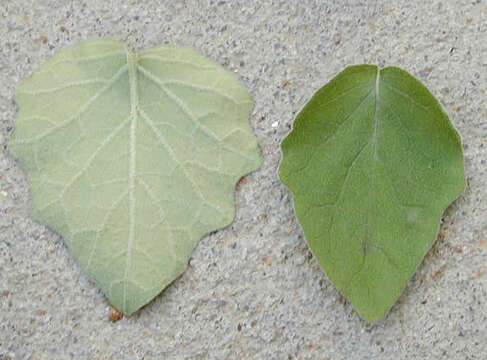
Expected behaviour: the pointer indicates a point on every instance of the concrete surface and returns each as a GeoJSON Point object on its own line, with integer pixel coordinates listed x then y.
{"type": "Point", "coordinates": [252, 290]}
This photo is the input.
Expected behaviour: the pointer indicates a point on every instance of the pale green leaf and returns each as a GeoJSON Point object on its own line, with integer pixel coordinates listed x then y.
{"type": "Point", "coordinates": [133, 158]}
{"type": "Point", "coordinates": [373, 161]}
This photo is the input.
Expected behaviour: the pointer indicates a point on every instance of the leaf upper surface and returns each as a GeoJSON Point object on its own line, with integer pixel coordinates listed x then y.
{"type": "Point", "coordinates": [373, 161]}
{"type": "Point", "coordinates": [133, 158]}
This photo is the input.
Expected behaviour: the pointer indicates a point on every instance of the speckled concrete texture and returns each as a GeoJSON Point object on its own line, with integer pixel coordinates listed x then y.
{"type": "Point", "coordinates": [253, 290]}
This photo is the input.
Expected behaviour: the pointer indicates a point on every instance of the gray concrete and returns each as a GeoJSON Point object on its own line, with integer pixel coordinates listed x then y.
{"type": "Point", "coordinates": [252, 290]}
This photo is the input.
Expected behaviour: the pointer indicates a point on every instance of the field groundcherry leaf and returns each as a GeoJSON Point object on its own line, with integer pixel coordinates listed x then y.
{"type": "Point", "coordinates": [133, 158]}
{"type": "Point", "coordinates": [372, 161]}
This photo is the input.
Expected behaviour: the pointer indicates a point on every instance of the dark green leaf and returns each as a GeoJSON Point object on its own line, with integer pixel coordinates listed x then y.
{"type": "Point", "coordinates": [373, 161]}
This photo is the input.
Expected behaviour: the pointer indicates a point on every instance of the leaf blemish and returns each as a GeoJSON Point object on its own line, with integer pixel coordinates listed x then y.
{"type": "Point", "coordinates": [412, 215]}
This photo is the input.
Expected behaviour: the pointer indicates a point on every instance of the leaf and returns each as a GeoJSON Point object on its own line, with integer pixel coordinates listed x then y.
{"type": "Point", "coordinates": [373, 162]}
{"type": "Point", "coordinates": [133, 158]}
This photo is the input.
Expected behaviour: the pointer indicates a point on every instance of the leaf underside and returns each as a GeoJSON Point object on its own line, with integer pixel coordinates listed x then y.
{"type": "Point", "coordinates": [133, 158]}
{"type": "Point", "coordinates": [373, 161]}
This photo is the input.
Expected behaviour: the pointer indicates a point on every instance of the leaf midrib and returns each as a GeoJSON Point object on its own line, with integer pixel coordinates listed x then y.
{"type": "Point", "coordinates": [371, 212]}
{"type": "Point", "coordinates": [134, 103]}
{"type": "Point", "coordinates": [365, 243]}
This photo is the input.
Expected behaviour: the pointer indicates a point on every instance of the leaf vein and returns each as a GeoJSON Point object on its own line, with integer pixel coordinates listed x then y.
{"type": "Point", "coordinates": [64, 87]}
{"type": "Point", "coordinates": [187, 112]}
{"type": "Point", "coordinates": [81, 110]}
